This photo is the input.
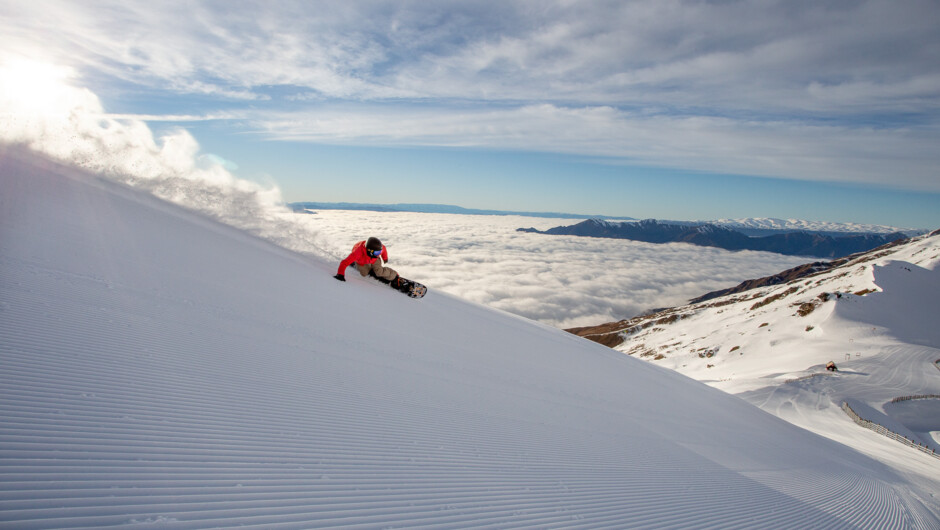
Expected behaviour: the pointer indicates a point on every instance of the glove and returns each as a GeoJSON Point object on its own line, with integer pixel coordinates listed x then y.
{"type": "Point", "coordinates": [340, 277]}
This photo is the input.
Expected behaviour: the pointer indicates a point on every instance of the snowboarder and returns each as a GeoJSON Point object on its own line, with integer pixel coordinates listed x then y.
{"type": "Point", "coordinates": [831, 366]}
{"type": "Point", "coordinates": [365, 256]}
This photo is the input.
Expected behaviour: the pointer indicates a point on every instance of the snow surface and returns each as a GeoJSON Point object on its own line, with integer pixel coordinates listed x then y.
{"type": "Point", "coordinates": [875, 317]}
{"type": "Point", "coordinates": [163, 370]}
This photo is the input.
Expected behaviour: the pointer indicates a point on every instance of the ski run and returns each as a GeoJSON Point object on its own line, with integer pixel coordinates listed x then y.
{"type": "Point", "coordinates": [162, 370]}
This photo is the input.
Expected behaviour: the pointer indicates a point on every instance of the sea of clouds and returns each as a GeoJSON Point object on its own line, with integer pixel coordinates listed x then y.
{"type": "Point", "coordinates": [565, 281]}
{"type": "Point", "coordinates": [558, 280]}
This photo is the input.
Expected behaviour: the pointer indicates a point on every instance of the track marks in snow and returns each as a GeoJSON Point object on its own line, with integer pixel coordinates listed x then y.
{"type": "Point", "coordinates": [166, 373]}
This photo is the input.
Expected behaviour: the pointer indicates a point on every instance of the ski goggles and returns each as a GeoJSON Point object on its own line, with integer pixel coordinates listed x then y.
{"type": "Point", "coordinates": [374, 253]}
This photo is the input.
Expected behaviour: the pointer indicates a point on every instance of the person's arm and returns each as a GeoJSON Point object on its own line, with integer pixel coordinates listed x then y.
{"type": "Point", "coordinates": [346, 263]}
{"type": "Point", "coordinates": [350, 259]}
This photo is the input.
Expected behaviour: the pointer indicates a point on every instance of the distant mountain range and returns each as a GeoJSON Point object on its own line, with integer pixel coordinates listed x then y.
{"type": "Point", "coordinates": [751, 226]}
{"type": "Point", "coordinates": [793, 243]}
{"type": "Point", "coordinates": [793, 237]}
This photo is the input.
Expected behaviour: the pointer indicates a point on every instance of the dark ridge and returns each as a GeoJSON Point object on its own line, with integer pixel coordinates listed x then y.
{"type": "Point", "coordinates": [708, 235]}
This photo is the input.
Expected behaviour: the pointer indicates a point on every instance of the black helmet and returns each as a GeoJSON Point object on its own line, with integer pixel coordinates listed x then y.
{"type": "Point", "coordinates": [374, 244]}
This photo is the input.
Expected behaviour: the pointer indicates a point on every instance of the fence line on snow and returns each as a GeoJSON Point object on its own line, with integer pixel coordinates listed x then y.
{"type": "Point", "coordinates": [921, 396]}
{"type": "Point", "coordinates": [881, 429]}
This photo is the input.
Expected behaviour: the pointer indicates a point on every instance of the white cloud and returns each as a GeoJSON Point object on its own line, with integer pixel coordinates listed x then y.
{"type": "Point", "coordinates": [41, 110]}
{"type": "Point", "coordinates": [781, 88]}
{"type": "Point", "coordinates": [667, 54]}
{"type": "Point", "coordinates": [782, 149]}
{"type": "Point", "coordinates": [172, 117]}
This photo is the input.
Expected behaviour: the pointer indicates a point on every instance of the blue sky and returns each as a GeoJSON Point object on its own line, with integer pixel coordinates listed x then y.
{"type": "Point", "coordinates": [668, 109]}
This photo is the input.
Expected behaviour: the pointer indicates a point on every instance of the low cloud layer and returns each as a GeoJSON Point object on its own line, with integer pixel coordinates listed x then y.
{"type": "Point", "coordinates": [563, 281]}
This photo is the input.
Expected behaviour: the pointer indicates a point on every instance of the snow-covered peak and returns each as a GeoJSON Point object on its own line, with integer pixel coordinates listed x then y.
{"type": "Point", "coordinates": [873, 315]}
{"type": "Point", "coordinates": [769, 223]}
{"type": "Point", "coordinates": [780, 305]}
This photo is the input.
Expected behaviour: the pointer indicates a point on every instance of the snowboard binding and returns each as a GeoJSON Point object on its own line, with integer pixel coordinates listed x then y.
{"type": "Point", "coordinates": [403, 285]}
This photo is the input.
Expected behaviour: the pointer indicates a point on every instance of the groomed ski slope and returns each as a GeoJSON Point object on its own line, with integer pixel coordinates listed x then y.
{"type": "Point", "coordinates": [162, 370]}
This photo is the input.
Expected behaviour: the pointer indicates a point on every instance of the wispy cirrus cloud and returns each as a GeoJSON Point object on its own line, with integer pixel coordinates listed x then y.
{"type": "Point", "coordinates": [670, 54]}
{"type": "Point", "coordinates": [833, 91]}
{"type": "Point", "coordinates": [784, 149]}
{"type": "Point", "coordinates": [172, 117]}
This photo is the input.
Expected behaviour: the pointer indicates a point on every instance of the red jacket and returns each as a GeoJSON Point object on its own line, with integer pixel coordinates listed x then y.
{"type": "Point", "coordinates": [359, 256]}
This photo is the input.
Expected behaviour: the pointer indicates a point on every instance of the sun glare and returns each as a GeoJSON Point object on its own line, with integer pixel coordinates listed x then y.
{"type": "Point", "coordinates": [28, 86]}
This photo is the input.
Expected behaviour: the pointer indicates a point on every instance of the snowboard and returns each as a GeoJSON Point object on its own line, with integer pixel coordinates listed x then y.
{"type": "Point", "coordinates": [413, 289]}
{"type": "Point", "coordinates": [409, 287]}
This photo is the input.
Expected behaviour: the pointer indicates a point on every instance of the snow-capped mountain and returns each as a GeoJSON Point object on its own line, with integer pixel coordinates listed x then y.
{"type": "Point", "coordinates": [160, 369]}
{"type": "Point", "coordinates": [769, 225]}
{"type": "Point", "coordinates": [873, 315]}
